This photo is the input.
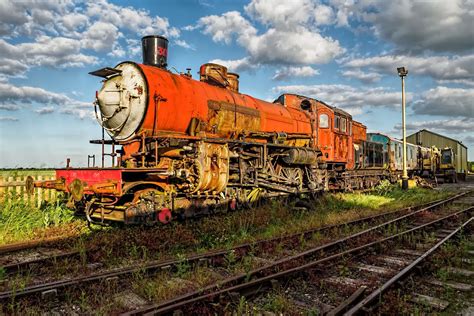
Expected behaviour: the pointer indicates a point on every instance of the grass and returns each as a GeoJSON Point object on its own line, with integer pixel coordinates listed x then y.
{"type": "Point", "coordinates": [20, 221]}
{"type": "Point", "coordinates": [114, 246]}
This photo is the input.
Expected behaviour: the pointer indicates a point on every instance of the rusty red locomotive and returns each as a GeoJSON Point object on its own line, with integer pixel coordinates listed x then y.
{"type": "Point", "coordinates": [182, 146]}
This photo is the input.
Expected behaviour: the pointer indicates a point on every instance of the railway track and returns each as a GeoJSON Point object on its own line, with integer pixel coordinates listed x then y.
{"type": "Point", "coordinates": [44, 256]}
{"type": "Point", "coordinates": [215, 298]}
{"type": "Point", "coordinates": [28, 245]}
{"type": "Point", "coordinates": [445, 235]}
{"type": "Point", "coordinates": [216, 257]}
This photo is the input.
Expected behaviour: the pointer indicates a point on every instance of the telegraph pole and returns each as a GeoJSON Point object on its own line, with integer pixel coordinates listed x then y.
{"type": "Point", "coordinates": [403, 72]}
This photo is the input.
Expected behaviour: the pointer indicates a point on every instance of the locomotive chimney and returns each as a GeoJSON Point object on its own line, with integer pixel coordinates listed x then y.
{"type": "Point", "coordinates": [155, 51]}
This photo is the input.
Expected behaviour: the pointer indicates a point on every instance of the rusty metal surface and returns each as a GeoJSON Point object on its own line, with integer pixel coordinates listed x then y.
{"type": "Point", "coordinates": [31, 244]}
{"type": "Point", "coordinates": [93, 180]}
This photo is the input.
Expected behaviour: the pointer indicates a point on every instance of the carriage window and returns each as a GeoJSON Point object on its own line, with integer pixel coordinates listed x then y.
{"type": "Point", "coordinates": [343, 124]}
{"type": "Point", "coordinates": [323, 121]}
{"type": "Point", "coordinates": [350, 128]}
{"type": "Point", "coordinates": [337, 120]}
{"type": "Point", "coordinates": [305, 105]}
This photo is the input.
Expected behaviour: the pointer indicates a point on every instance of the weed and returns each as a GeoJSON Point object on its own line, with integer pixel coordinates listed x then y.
{"type": "Point", "coordinates": [243, 307]}
{"type": "Point", "coordinates": [183, 266]}
{"type": "Point", "coordinates": [276, 303]}
{"type": "Point", "coordinates": [230, 259]}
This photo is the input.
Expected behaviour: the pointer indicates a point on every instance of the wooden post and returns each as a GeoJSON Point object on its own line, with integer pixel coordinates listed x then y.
{"type": "Point", "coordinates": [10, 189]}
{"type": "Point", "coordinates": [40, 193]}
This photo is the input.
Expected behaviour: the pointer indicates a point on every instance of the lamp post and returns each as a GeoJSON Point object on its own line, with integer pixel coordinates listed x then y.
{"type": "Point", "coordinates": [402, 72]}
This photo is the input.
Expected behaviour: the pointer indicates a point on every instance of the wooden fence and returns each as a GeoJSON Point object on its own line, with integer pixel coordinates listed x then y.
{"type": "Point", "coordinates": [12, 187]}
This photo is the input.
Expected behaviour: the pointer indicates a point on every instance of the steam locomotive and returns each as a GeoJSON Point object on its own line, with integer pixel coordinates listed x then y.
{"type": "Point", "coordinates": [182, 147]}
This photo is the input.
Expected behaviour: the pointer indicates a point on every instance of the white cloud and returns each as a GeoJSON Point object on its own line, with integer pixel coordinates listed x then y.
{"type": "Point", "coordinates": [31, 18]}
{"type": "Point", "coordinates": [136, 20]}
{"type": "Point", "coordinates": [447, 102]}
{"type": "Point", "coordinates": [74, 21]}
{"type": "Point", "coordinates": [281, 14]}
{"type": "Point", "coordinates": [100, 36]}
{"type": "Point", "coordinates": [438, 67]}
{"type": "Point", "coordinates": [223, 27]}
{"type": "Point", "coordinates": [323, 15]}
{"type": "Point", "coordinates": [12, 96]}
{"type": "Point", "coordinates": [286, 47]}
{"type": "Point", "coordinates": [63, 34]}
{"type": "Point", "coordinates": [352, 99]}
{"type": "Point", "coordinates": [45, 110]}
{"type": "Point", "coordinates": [288, 72]}
{"type": "Point", "coordinates": [444, 126]}
{"type": "Point", "coordinates": [465, 82]}
{"type": "Point", "coordinates": [9, 107]}
{"type": "Point", "coordinates": [184, 44]}
{"type": "Point", "coordinates": [117, 51]}
{"type": "Point", "coordinates": [366, 77]}
{"type": "Point", "coordinates": [236, 65]}
{"type": "Point", "coordinates": [27, 95]}
{"type": "Point", "coordinates": [12, 67]}
{"type": "Point", "coordinates": [346, 9]}
{"type": "Point", "coordinates": [423, 25]}
{"type": "Point", "coordinates": [8, 119]}
{"type": "Point", "coordinates": [134, 46]}
{"type": "Point", "coordinates": [46, 51]}
{"type": "Point", "coordinates": [78, 112]}
{"type": "Point", "coordinates": [469, 139]}
{"type": "Point", "coordinates": [288, 40]}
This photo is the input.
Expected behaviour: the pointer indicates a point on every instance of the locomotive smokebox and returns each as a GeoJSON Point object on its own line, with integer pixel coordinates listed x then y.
{"type": "Point", "coordinates": [155, 51]}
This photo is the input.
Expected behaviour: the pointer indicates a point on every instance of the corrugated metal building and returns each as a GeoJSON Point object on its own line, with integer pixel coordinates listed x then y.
{"type": "Point", "coordinates": [427, 139]}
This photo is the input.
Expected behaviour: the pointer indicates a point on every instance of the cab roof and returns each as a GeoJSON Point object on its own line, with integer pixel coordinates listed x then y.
{"type": "Point", "coordinates": [281, 100]}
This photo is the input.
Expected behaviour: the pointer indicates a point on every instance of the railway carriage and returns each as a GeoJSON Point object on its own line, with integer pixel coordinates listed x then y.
{"type": "Point", "coordinates": [393, 153]}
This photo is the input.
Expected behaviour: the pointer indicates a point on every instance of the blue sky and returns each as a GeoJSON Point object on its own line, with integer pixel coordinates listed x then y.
{"type": "Point", "coordinates": [344, 52]}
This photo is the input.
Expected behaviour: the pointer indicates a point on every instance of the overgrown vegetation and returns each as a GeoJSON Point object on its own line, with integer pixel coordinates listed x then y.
{"type": "Point", "coordinates": [20, 221]}
{"type": "Point", "coordinates": [117, 245]}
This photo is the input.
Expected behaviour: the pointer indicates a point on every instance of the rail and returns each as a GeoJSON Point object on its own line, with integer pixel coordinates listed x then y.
{"type": "Point", "coordinates": [211, 256]}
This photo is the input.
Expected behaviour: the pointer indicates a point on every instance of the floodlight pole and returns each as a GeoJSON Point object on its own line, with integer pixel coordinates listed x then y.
{"type": "Point", "coordinates": [402, 72]}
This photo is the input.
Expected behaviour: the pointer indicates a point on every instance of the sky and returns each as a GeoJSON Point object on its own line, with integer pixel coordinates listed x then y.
{"type": "Point", "coordinates": [343, 52]}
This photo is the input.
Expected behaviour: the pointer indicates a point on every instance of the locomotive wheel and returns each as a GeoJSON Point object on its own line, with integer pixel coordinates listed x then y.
{"type": "Point", "coordinates": [77, 189]}
{"type": "Point", "coordinates": [150, 206]}
{"type": "Point", "coordinates": [294, 176]}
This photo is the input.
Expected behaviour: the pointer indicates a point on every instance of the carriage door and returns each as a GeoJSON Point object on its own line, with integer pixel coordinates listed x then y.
{"type": "Point", "coordinates": [325, 139]}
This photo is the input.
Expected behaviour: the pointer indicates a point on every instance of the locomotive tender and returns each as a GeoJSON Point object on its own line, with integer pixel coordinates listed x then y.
{"type": "Point", "coordinates": [189, 146]}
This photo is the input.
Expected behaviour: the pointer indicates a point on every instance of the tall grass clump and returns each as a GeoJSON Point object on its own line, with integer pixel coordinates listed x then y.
{"type": "Point", "coordinates": [412, 196]}
{"type": "Point", "coordinates": [19, 220]}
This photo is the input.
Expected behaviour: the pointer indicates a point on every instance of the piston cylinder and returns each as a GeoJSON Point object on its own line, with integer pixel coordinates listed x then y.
{"type": "Point", "coordinates": [301, 156]}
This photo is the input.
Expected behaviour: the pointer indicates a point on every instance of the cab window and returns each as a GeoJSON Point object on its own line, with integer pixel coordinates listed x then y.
{"type": "Point", "coordinates": [323, 121]}
{"type": "Point", "coordinates": [343, 124]}
{"type": "Point", "coordinates": [305, 105]}
{"type": "Point", "coordinates": [337, 122]}
{"type": "Point", "coordinates": [446, 157]}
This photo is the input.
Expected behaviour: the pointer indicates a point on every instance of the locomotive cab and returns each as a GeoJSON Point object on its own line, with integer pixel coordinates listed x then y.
{"type": "Point", "coordinates": [447, 167]}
